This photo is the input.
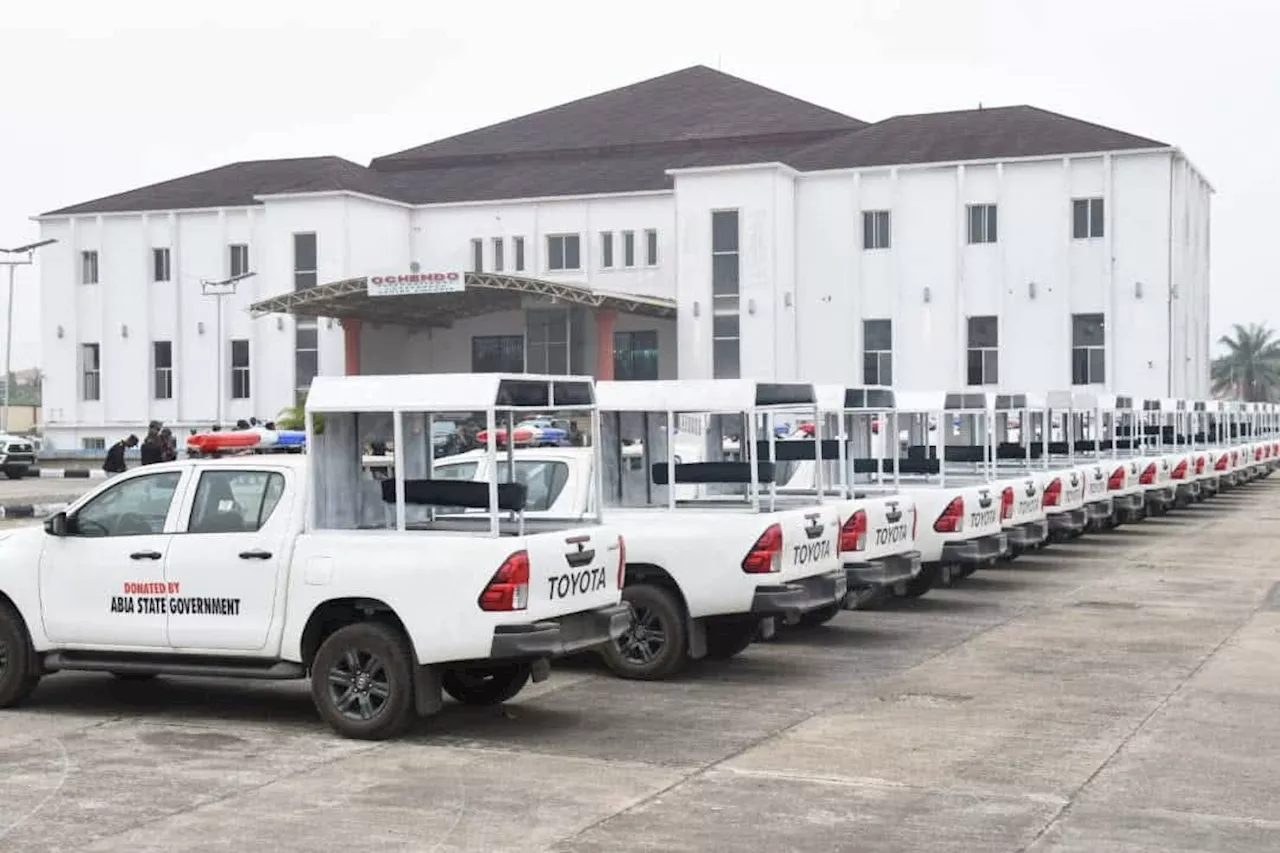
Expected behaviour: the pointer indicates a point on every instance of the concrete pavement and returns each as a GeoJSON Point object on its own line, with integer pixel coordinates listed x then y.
{"type": "Point", "coordinates": [1114, 694]}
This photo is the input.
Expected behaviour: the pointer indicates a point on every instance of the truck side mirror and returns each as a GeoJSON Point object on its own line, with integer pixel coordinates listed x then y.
{"type": "Point", "coordinates": [56, 524]}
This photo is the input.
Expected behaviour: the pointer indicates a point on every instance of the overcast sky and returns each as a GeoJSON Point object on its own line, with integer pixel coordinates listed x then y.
{"type": "Point", "coordinates": [104, 97]}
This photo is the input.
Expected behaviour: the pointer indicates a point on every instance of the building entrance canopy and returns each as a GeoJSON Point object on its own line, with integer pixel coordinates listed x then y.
{"type": "Point", "coordinates": [479, 294]}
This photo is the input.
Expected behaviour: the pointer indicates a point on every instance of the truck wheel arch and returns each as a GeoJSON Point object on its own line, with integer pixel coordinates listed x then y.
{"type": "Point", "coordinates": [336, 613]}
{"type": "Point", "coordinates": [655, 575]}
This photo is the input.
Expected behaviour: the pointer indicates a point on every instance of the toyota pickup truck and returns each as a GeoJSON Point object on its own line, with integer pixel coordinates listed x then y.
{"type": "Point", "coordinates": [255, 567]}
{"type": "Point", "coordinates": [710, 566]}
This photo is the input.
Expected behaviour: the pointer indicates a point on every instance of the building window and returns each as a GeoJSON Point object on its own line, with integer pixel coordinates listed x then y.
{"type": "Point", "coordinates": [1088, 349]}
{"type": "Point", "coordinates": [306, 355]}
{"type": "Point", "coordinates": [548, 336]}
{"type": "Point", "coordinates": [304, 261]}
{"type": "Point", "coordinates": [563, 252]}
{"type": "Point", "coordinates": [635, 355]}
{"type": "Point", "coordinates": [160, 265]}
{"type": "Point", "coordinates": [240, 370]}
{"type": "Point", "coordinates": [726, 343]}
{"type": "Point", "coordinates": [875, 229]}
{"type": "Point", "coordinates": [239, 259]}
{"type": "Point", "coordinates": [89, 267]}
{"type": "Point", "coordinates": [519, 246]}
{"type": "Point", "coordinates": [497, 354]}
{"type": "Point", "coordinates": [982, 223]}
{"type": "Point", "coordinates": [606, 249]}
{"type": "Point", "coordinates": [651, 247]}
{"type": "Point", "coordinates": [984, 351]}
{"type": "Point", "coordinates": [477, 255]}
{"type": "Point", "coordinates": [499, 247]}
{"type": "Point", "coordinates": [90, 372]}
{"type": "Point", "coordinates": [162, 369]}
{"type": "Point", "coordinates": [877, 352]}
{"type": "Point", "coordinates": [628, 248]}
{"type": "Point", "coordinates": [1087, 218]}
{"type": "Point", "coordinates": [726, 340]}
{"type": "Point", "coordinates": [93, 444]}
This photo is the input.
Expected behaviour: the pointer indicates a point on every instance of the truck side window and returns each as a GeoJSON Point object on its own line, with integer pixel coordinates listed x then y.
{"type": "Point", "coordinates": [235, 501]}
{"type": "Point", "coordinates": [136, 507]}
{"type": "Point", "coordinates": [545, 479]}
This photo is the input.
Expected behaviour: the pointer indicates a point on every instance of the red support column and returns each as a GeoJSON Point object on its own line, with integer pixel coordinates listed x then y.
{"type": "Point", "coordinates": [351, 344]}
{"type": "Point", "coordinates": [606, 319]}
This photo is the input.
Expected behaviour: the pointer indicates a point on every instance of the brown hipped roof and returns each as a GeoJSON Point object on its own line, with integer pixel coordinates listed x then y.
{"type": "Point", "coordinates": [625, 139]}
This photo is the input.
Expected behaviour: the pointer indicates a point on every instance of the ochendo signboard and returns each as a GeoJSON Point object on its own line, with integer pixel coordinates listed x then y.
{"type": "Point", "coordinates": [411, 283]}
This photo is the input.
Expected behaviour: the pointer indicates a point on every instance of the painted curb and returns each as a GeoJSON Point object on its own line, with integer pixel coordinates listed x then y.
{"type": "Point", "coordinates": [72, 474]}
{"type": "Point", "coordinates": [30, 510]}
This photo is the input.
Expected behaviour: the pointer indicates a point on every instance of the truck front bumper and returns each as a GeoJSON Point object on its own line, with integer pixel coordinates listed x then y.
{"type": "Point", "coordinates": [1028, 535]}
{"type": "Point", "coordinates": [562, 636]}
{"type": "Point", "coordinates": [885, 571]}
{"type": "Point", "coordinates": [795, 598]}
{"type": "Point", "coordinates": [1068, 523]}
{"type": "Point", "coordinates": [982, 551]}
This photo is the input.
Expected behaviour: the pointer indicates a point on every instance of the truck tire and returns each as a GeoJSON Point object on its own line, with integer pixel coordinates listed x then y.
{"type": "Point", "coordinates": [657, 643]}
{"type": "Point", "coordinates": [18, 668]}
{"type": "Point", "coordinates": [729, 639]}
{"type": "Point", "coordinates": [821, 616]}
{"type": "Point", "coordinates": [488, 686]}
{"type": "Point", "coordinates": [362, 681]}
{"type": "Point", "coordinates": [14, 473]}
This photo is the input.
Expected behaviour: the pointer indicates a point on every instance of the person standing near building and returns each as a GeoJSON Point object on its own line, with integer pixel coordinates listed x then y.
{"type": "Point", "coordinates": [114, 463]}
{"type": "Point", "coordinates": [153, 445]}
{"type": "Point", "coordinates": [169, 445]}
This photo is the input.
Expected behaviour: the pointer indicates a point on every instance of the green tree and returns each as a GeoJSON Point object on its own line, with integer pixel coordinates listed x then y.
{"type": "Point", "coordinates": [1250, 367]}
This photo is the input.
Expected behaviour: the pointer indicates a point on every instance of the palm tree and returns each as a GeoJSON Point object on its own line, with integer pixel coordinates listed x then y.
{"type": "Point", "coordinates": [1250, 368]}
{"type": "Point", "coordinates": [295, 417]}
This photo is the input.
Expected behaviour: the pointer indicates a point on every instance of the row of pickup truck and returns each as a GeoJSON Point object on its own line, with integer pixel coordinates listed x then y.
{"type": "Point", "coordinates": [701, 517]}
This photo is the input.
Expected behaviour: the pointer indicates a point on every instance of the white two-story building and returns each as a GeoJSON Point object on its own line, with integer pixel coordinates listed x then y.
{"type": "Point", "coordinates": [692, 225]}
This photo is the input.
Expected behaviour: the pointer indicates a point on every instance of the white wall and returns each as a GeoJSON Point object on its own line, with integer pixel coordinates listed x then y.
{"type": "Point", "coordinates": [806, 282]}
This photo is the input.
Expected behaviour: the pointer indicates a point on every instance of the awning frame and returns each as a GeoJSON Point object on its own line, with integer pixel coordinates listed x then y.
{"type": "Point", "coordinates": [484, 293]}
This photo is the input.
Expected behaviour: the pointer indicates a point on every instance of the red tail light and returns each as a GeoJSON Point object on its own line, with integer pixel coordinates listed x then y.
{"type": "Point", "coordinates": [1180, 470]}
{"type": "Point", "coordinates": [1149, 475]}
{"type": "Point", "coordinates": [1116, 481]}
{"type": "Point", "coordinates": [1257, 455]}
{"type": "Point", "coordinates": [1221, 464]}
{"type": "Point", "coordinates": [1006, 503]}
{"type": "Point", "coordinates": [853, 533]}
{"type": "Point", "coordinates": [509, 587]}
{"type": "Point", "coordinates": [766, 555]}
{"type": "Point", "coordinates": [1199, 465]}
{"type": "Point", "coordinates": [1052, 493]}
{"type": "Point", "coordinates": [622, 561]}
{"type": "Point", "coordinates": [952, 516]}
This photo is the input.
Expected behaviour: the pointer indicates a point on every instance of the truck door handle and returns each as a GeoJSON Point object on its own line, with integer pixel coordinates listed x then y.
{"type": "Point", "coordinates": [145, 555]}
{"type": "Point", "coordinates": [255, 555]}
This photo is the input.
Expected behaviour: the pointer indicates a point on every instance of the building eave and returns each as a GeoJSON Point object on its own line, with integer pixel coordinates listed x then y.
{"type": "Point", "coordinates": [543, 199]}
{"type": "Point", "coordinates": [303, 196]}
{"type": "Point", "coordinates": [53, 217]}
{"type": "Point", "coordinates": [986, 161]}
{"type": "Point", "coordinates": [772, 165]}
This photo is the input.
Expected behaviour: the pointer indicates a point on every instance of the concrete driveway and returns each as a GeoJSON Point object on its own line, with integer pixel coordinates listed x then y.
{"type": "Point", "coordinates": [1117, 694]}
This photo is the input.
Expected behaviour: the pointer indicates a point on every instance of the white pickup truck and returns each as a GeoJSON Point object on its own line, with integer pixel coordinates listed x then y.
{"type": "Point", "coordinates": [255, 567]}
{"type": "Point", "coordinates": [710, 565]}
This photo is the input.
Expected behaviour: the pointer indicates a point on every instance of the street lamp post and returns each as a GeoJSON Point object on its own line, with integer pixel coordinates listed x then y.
{"type": "Point", "coordinates": [219, 290]}
{"type": "Point", "coordinates": [29, 251]}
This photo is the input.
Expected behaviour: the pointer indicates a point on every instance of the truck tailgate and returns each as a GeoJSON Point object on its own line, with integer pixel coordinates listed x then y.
{"type": "Point", "coordinates": [810, 540]}
{"type": "Point", "coordinates": [571, 570]}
